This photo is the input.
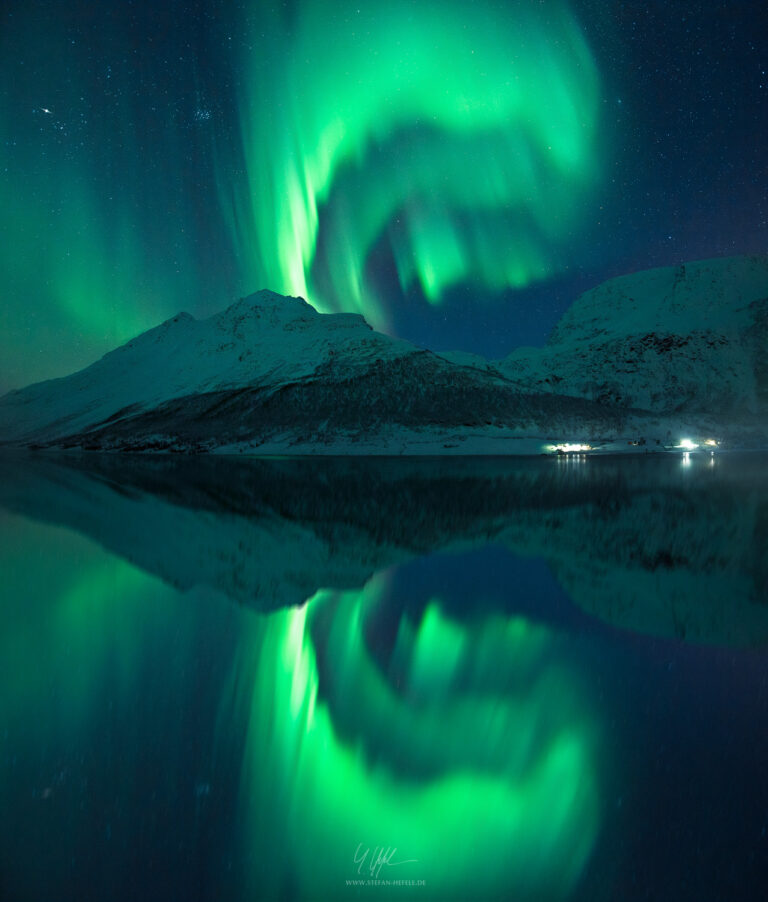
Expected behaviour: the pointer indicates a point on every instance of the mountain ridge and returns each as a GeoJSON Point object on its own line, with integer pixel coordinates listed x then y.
{"type": "Point", "coordinates": [688, 338]}
{"type": "Point", "coordinates": [639, 361]}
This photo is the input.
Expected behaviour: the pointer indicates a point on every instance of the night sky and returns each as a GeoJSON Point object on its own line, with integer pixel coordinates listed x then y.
{"type": "Point", "coordinates": [457, 172]}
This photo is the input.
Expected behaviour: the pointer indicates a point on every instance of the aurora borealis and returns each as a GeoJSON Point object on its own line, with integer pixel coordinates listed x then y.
{"type": "Point", "coordinates": [472, 171]}
{"type": "Point", "coordinates": [456, 174]}
{"type": "Point", "coordinates": [542, 678]}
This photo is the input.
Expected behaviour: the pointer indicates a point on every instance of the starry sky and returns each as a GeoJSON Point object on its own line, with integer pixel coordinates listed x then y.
{"type": "Point", "coordinates": [457, 172]}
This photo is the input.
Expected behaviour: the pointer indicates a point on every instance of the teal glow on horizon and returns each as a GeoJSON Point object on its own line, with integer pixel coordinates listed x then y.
{"type": "Point", "coordinates": [465, 143]}
{"type": "Point", "coordinates": [100, 237]}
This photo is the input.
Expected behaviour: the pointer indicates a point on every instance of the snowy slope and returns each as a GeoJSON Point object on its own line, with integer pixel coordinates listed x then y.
{"type": "Point", "coordinates": [265, 339]}
{"type": "Point", "coordinates": [272, 374]}
{"type": "Point", "coordinates": [689, 339]}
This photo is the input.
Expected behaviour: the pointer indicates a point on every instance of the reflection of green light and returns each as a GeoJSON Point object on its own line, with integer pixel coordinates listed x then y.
{"type": "Point", "coordinates": [468, 140]}
{"type": "Point", "coordinates": [84, 627]}
{"type": "Point", "coordinates": [470, 748]}
{"type": "Point", "coordinates": [480, 765]}
{"type": "Point", "coordinates": [100, 666]}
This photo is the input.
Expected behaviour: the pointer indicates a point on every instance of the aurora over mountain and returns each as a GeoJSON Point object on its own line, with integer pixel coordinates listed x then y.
{"type": "Point", "coordinates": [467, 173]}
{"type": "Point", "coordinates": [384, 450]}
{"type": "Point", "coordinates": [455, 175]}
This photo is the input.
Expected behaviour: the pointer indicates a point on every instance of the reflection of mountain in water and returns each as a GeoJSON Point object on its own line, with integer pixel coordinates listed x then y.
{"type": "Point", "coordinates": [645, 544]}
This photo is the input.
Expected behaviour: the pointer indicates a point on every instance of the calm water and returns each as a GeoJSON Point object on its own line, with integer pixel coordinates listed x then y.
{"type": "Point", "coordinates": [285, 679]}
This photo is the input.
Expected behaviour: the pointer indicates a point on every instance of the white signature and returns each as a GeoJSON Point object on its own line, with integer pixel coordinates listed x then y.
{"type": "Point", "coordinates": [375, 860]}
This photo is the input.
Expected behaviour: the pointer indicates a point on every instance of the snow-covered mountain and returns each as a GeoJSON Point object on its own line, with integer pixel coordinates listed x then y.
{"type": "Point", "coordinates": [645, 358]}
{"type": "Point", "coordinates": [690, 339]}
{"type": "Point", "coordinates": [270, 373]}
{"type": "Point", "coordinates": [263, 340]}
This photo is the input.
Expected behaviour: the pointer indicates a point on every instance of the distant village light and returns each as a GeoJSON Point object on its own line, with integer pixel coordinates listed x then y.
{"type": "Point", "coordinates": [568, 448]}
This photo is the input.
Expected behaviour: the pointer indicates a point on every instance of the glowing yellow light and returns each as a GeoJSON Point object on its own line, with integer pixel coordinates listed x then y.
{"type": "Point", "coordinates": [711, 443]}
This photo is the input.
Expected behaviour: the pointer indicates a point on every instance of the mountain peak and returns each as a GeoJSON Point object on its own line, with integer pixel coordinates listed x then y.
{"type": "Point", "coordinates": [270, 304]}
{"type": "Point", "coordinates": [688, 340]}
{"type": "Point", "coordinates": [703, 294]}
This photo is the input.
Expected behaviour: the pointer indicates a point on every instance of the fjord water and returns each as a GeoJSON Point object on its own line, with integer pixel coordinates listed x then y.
{"type": "Point", "coordinates": [255, 679]}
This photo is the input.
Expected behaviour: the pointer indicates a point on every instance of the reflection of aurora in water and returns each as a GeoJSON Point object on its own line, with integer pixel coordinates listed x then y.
{"type": "Point", "coordinates": [470, 748]}
{"type": "Point", "coordinates": [105, 679]}
{"type": "Point", "coordinates": [468, 745]}
{"type": "Point", "coordinates": [473, 753]}
{"type": "Point", "coordinates": [157, 744]}
{"type": "Point", "coordinates": [465, 142]}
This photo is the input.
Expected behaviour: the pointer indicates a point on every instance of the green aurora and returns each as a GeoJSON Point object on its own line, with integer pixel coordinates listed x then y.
{"type": "Point", "coordinates": [349, 155]}
{"type": "Point", "coordinates": [101, 233]}
{"type": "Point", "coordinates": [466, 142]}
